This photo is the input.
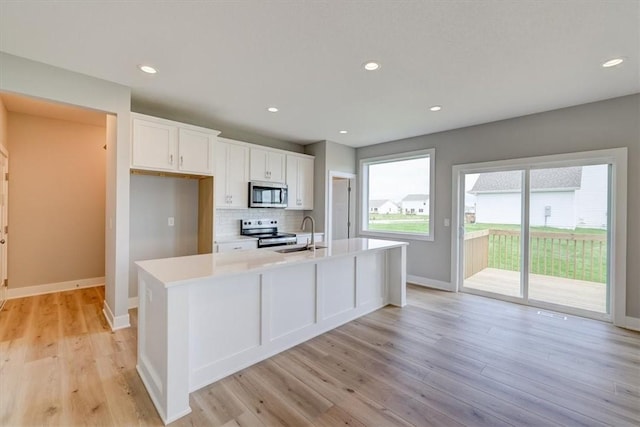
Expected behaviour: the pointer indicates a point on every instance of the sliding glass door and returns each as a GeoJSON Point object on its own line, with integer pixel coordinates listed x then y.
{"type": "Point", "coordinates": [537, 235]}
{"type": "Point", "coordinates": [493, 232]}
{"type": "Point", "coordinates": [568, 228]}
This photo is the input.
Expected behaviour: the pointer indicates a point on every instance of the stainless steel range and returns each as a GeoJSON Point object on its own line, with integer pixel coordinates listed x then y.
{"type": "Point", "coordinates": [266, 231]}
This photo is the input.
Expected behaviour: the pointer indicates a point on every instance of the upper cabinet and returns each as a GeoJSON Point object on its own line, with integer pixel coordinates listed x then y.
{"type": "Point", "coordinates": [167, 146]}
{"type": "Point", "coordinates": [267, 165]}
{"type": "Point", "coordinates": [300, 181]}
{"type": "Point", "coordinates": [232, 174]}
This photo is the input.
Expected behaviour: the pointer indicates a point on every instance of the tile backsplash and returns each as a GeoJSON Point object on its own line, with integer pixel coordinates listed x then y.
{"type": "Point", "coordinates": [227, 221]}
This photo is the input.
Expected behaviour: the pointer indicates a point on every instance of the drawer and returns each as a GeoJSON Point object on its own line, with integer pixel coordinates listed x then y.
{"type": "Point", "coordinates": [237, 246]}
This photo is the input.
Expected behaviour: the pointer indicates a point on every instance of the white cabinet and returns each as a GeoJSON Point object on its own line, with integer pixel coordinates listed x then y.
{"type": "Point", "coordinates": [267, 165]}
{"type": "Point", "coordinates": [195, 151]}
{"type": "Point", "coordinates": [300, 182]}
{"type": "Point", "coordinates": [237, 246]}
{"type": "Point", "coordinates": [166, 146]}
{"type": "Point", "coordinates": [232, 175]}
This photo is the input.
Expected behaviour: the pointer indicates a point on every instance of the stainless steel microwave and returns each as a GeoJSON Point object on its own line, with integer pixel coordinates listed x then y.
{"type": "Point", "coordinates": [267, 194]}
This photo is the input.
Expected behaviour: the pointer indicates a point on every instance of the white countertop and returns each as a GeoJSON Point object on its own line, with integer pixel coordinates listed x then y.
{"type": "Point", "coordinates": [184, 270]}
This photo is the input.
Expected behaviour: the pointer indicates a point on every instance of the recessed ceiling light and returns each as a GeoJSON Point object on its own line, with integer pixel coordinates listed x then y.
{"type": "Point", "coordinates": [613, 62]}
{"type": "Point", "coordinates": [371, 65]}
{"type": "Point", "coordinates": [147, 69]}
{"type": "Point", "coordinates": [272, 109]}
{"type": "Point", "coordinates": [436, 108]}
{"type": "Point", "coordinates": [343, 131]}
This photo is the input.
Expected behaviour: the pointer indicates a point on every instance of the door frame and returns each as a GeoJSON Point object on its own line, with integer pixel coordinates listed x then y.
{"type": "Point", "coordinates": [617, 243]}
{"type": "Point", "coordinates": [4, 290]}
{"type": "Point", "coordinates": [352, 202]}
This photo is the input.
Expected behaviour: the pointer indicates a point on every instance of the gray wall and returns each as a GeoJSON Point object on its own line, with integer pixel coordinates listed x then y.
{"type": "Point", "coordinates": [340, 158]}
{"type": "Point", "coordinates": [607, 124]}
{"type": "Point", "coordinates": [330, 156]}
{"type": "Point", "coordinates": [153, 200]}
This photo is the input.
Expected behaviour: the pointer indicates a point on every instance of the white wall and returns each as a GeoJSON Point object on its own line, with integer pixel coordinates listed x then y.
{"type": "Point", "coordinates": [505, 208]}
{"type": "Point", "coordinates": [153, 200]}
{"type": "Point", "coordinates": [607, 124]}
{"type": "Point", "coordinates": [591, 198]}
{"type": "Point", "coordinates": [22, 76]}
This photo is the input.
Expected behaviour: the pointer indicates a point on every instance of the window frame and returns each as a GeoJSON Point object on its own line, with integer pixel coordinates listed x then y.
{"type": "Point", "coordinates": [364, 195]}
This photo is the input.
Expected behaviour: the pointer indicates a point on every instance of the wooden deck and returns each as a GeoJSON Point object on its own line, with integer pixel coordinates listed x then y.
{"type": "Point", "coordinates": [580, 294]}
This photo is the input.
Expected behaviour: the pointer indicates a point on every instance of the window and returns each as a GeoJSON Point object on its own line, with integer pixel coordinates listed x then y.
{"type": "Point", "coordinates": [396, 195]}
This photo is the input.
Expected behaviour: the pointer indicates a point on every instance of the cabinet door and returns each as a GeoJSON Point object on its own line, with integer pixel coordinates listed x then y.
{"type": "Point", "coordinates": [237, 176]}
{"type": "Point", "coordinates": [154, 146]}
{"type": "Point", "coordinates": [305, 182]}
{"type": "Point", "coordinates": [267, 165]}
{"type": "Point", "coordinates": [194, 151]}
{"type": "Point", "coordinates": [259, 165]}
{"type": "Point", "coordinates": [293, 201]}
{"type": "Point", "coordinates": [220, 178]}
{"type": "Point", "coordinates": [276, 166]}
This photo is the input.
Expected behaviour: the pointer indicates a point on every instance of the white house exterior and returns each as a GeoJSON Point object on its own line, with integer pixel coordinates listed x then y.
{"type": "Point", "coordinates": [383, 207]}
{"type": "Point", "coordinates": [567, 197]}
{"type": "Point", "coordinates": [415, 204]}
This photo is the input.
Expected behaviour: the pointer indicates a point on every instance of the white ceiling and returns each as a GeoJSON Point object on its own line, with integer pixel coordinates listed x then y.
{"type": "Point", "coordinates": [224, 62]}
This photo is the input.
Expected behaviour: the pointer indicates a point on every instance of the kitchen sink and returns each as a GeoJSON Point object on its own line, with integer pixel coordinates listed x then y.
{"type": "Point", "coordinates": [297, 249]}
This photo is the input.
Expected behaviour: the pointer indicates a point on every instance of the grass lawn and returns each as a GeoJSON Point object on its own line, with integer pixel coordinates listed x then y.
{"type": "Point", "coordinates": [399, 223]}
{"type": "Point", "coordinates": [401, 227]}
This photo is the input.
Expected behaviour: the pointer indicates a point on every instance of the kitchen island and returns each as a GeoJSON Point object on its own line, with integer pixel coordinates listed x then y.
{"type": "Point", "coordinates": [203, 317]}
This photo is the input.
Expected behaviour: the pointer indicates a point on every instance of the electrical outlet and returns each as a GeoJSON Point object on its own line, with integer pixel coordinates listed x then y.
{"type": "Point", "coordinates": [447, 222]}
{"type": "Point", "coordinates": [171, 221]}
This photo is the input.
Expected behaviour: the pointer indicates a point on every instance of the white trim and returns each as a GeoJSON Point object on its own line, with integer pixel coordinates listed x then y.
{"type": "Point", "coordinates": [430, 283]}
{"type": "Point", "coordinates": [133, 302]}
{"type": "Point", "coordinates": [617, 157]}
{"type": "Point", "coordinates": [364, 194]}
{"type": "Point", "coordinates": [115, 323]}
{"type": "Point", "coordinates": [49, 288]}
{"type": "Point", "coordinates": [632, 323]}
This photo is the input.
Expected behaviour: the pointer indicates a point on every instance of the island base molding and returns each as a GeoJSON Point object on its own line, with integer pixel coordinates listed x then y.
{"type": "Point", "coordinates": [194, 334]}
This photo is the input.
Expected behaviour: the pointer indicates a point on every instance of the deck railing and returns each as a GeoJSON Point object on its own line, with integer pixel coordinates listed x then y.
{"type": "Point", "coordinates": [569, 255]}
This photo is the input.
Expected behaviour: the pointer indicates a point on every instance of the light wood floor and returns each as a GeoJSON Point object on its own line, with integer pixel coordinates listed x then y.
{"type": "Point", "coordinates": [445, 359]}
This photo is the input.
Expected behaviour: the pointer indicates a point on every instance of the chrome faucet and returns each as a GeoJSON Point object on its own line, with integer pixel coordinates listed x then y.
{"type": "Point", "coordinates": [311, 245]}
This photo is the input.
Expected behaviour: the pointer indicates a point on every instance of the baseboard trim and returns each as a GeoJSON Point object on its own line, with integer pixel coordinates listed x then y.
{"type": "Point", "coordinates": [632, 323]}
{"type": "Point", "coordinates": [115, 322]}
{"type": "Point", "coordinates": [133, 302]}
{"type": "Point", "coordinates": [49, 288]}
{"type": "Point", "coordinates": [429, 283]}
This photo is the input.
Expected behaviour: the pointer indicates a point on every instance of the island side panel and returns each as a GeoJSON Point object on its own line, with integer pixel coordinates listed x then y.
{"type": "Point", "coordinates": [397, 276]}
{"type": "Point", "coordinates": [225, 325]}
{"type": "Point", "coordinates": [160, 336]}
{"type": "Point", "coordinates": [371, 279]}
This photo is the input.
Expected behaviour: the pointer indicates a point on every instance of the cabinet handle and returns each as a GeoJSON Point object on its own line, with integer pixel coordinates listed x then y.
{"type": "Point", "coordinates": [170, 159]}
{"type": "Point", "coordinates": [181, 160]}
